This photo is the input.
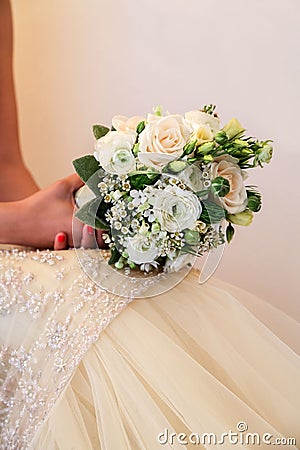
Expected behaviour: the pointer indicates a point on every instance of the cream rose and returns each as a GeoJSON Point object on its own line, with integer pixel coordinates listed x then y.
{"type": "Point", "coordinates": [113, 151]}
{"type": "Point", "coordinates": [174, 208]}
{"type": "Point", "coordinates": [140, 250]}
{"type": "Point", "coordinates": [124, 124]}
{"type": "Point", "coordinates": [236, 199]}
{"type": "Point", "coordinates": [162, 141]}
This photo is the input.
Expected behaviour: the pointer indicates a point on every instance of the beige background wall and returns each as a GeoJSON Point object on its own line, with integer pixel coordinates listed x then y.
{"type": "Point", "coordinates": [80, 62]}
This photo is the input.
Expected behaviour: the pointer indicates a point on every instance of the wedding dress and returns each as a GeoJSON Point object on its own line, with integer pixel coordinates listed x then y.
{"type": "Point", "coordinates": [82, 368]}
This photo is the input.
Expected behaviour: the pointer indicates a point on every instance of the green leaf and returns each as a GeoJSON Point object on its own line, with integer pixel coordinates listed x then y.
{"type": "Point", "coordinates": [211, 212]}
{"type": "Point", "coordinates": [114, 256]}
{"type": "Point", "coordinates": [86, 166]}
{"type": "Point", "coordinates": [202, 193]}
{"type": "Point", "coordinates": [229, 232]}
{"type": "Point", "coordinates": [100, 131]}
{"type": "Point", "coordinates": [88, 214]}
{"type": "Point", "coordinates": [220, 186]}
{"type": "Point", "coordinates": [139, 180]}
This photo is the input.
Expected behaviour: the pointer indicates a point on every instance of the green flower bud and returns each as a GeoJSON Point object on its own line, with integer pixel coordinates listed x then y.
{"type": "Point", "coordinates": [119, 265]}
{"type": "Point", "coordinates": [229, 233]}
{"type": "Point", "coordinates": [155, 228]}
{"type": "Point", "coordinates": [243, 218]}
{"type": "Point", "coordinates": [265, 153]}
{"type": "Point", "coordinates": [233, 129]}
{"type": "Point", "coordinates": [254, 201]}
{"type": "Point", "coordinates": [158, 110]}
{"type": "Point", "coordinates": [140, 127]}
{"type": "Point", "coordinates": [136, 149]}
{"type": "Point", "coordinates": [207, 159]}
{"type": "Point", "coordinates": [131, 265]}
{"type": "Point", "coordinates": [189, 147]}
{"type": "Point", "coordinates": [204, 149]}
{"type": "Point", "coordinates": [177, 166]}
{"type": "Point", "coordinates": [221, 137]}
{"type": "Point", "coordinates": [191, 237]}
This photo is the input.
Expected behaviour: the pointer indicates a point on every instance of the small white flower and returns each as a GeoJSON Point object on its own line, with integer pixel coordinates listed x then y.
{"type": "Point", "coordinates": [113, 151]}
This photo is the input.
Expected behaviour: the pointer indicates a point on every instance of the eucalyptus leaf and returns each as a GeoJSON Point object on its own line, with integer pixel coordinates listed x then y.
{"type": "Point", "coordinates": [211, 212]}
{"type": "Point", "coordinates": [100, 131]}
{"type": "Point", "coordinates": [86, 166]}
{"type": "Point", "coordinates": [88, 215]}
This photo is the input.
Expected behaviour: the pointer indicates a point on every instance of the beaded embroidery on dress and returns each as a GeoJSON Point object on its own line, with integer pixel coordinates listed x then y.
{"type": "Point", "coordinates": [83, 368]}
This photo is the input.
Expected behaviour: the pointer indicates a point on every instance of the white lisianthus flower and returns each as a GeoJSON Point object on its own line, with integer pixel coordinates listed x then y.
{"type": "Point", "coordinates": [124, 124]}
{"type": "Point", "coordinates": [179, 262]}
{"type": "Point", "coordinates": [198, 119]}
{"type": "Point", "coordinates": [113, 151]}
{"type": "Point", "coordinates": [202, 125]}
{"type": "Point", "coordinates": [192, 177]}
{"type": "Point", "coordinates": [236, 199]}
{"type": "Point", "coordinates": [141, 250]}
{"type": "Point", "coordinates": [162, 140]}
{"type": "Point", "coordinates": [174, 208]}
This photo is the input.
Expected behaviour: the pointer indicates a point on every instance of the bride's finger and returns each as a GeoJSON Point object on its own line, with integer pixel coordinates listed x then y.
{"type": "Point", "coordinates": [60, 241]}
{"type": "Point", "coordinates": [88, 237]}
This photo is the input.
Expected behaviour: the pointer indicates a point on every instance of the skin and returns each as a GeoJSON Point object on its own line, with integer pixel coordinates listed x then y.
{"type": "Point", "coordinates": [29, 216]}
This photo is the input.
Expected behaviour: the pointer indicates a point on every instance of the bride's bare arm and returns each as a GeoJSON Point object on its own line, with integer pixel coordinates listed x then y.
{"type": "Point", "coordinates": [16, 182]}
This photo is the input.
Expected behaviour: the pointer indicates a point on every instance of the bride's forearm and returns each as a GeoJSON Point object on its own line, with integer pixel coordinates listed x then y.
{"type": "Point", "coordinates": [10, 222]}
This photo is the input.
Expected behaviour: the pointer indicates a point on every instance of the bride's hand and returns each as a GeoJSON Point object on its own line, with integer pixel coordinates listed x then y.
{"type": "Point", "coordinates": [48, 212]}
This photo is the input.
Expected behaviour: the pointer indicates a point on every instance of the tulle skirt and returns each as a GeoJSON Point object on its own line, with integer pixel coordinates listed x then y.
{"type": "Point", "coordinates": [196, 367]}
{"type": "Point", "coordinates": [197, 360]}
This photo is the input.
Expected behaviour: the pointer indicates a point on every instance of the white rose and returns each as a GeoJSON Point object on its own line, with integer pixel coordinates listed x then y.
{"type": "Point", "coordinates": [174, 208]}
{"type": "Point", "coordinates": [140, 250]}
{"type": "Point", "coordinates": [124, 124]}
{"type": "Point", "coordinates": [162, 140]}
{"type": "Point", "coordinates": [199, 119]}
{"type": "Point", "coordinates": [179, 262]}
{"type": "Point", "coordinates": [113, 151]}
{"type": "Point", "coordinates": [236, 199]}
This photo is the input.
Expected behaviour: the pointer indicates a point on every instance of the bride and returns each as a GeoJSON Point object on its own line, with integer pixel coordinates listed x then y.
{"type": "Point", "coordinates": [81, 368]}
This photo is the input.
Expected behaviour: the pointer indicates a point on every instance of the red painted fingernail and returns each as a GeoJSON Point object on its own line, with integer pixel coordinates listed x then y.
{"type": "Point", "coordinates": [90, 230]}
{"type": "Point", "coordinates": [61, 238]}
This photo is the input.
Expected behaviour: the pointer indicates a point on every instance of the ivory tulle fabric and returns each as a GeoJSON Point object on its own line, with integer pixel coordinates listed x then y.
{"type": "Point", "coordinates": [83, 370]}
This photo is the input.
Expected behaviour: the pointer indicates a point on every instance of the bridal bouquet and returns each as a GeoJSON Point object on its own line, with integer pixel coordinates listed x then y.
{"type": "Point", "coordinates": [165, 185]}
